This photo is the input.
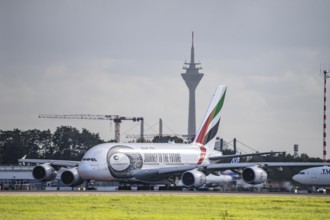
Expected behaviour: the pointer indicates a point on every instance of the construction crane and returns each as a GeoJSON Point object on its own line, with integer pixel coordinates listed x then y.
{"type": "Point", "coordinates": [116, 118]}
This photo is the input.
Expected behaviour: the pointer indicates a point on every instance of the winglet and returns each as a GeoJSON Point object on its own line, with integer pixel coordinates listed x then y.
{"type": "Point", "coordinates": [23, 158]}
{"type": "Point", "coordinates": [211, 121]}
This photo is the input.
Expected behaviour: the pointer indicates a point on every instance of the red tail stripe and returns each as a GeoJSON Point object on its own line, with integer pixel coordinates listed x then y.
{"type": "Point", "coordinates": [202, 156]}
{"type": "Point", "coordinates": [204, 129]}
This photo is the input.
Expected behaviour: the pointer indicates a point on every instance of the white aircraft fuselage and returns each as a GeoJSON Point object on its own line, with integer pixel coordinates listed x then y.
{"type": "Point", "coordinates": [315, 176]}
{"type": "Point", "coordinates": [112, 161]}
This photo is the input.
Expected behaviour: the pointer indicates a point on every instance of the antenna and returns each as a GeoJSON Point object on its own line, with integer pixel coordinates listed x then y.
{"type": "Point", "coordinates": [326, 75]}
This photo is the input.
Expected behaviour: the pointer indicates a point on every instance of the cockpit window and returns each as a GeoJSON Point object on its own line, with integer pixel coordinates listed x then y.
{"type": "Point", "coordinates": [89, 159]}
{"type": "Point", "coordinates": [302, 173]}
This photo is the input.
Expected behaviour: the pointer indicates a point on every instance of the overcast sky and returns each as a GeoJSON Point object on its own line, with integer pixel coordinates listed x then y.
{"type": "Point", "coordinates": [125, 58]}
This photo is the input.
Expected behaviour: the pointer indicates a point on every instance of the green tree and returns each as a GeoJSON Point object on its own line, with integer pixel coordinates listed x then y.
{"type": "Point", "coordinates": [37, 142]}
{"type": "Point", "coordinates": [86, 140]}
{"type": "Point", "coordinates": [11, 146]}
{"type": "Point", "coordinates": [166, 139]}
{"type": "Point", "coordinates": [66, 144]}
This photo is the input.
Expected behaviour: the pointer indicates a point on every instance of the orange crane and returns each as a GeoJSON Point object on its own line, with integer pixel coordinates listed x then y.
{"type": "Point", "coordinates": [116, 118]}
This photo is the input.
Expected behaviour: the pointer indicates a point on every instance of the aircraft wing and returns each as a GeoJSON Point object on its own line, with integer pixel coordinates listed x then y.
{"type": "Point", "coordinates": [226, 166]}
{"type": "Point", "coordinates": [150, 174]}
{"type": "Point", "coordinates": [63, 163]}
{"type": "Point", "coordinates": [161, 173]}
{"type": "Point", "coordinates": [241, 155]}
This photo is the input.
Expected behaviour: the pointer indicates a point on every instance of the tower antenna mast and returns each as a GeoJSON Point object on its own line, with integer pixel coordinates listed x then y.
{"type": "Point", "coordinates": [325, 76]}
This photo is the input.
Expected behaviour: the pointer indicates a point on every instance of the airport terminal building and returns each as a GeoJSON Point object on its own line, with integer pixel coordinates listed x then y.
{"type": "Point", "coordinates": [20, 178]}
{"type": "Point", "coordinates": [17, 178]}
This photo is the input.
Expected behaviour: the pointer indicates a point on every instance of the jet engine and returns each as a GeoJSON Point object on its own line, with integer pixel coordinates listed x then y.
{"type": "Point", "coordinates": [70, 177]}
{"type": "Point", "coordinates": [254, 175]}
{"type": "Point", "coordinates": [193, 178]}
{"type": "Point", "coordinates": [44, 172]}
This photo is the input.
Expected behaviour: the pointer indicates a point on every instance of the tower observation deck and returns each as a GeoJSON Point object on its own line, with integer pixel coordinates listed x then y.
{"type": "Point", "coordinates": [192, 78]}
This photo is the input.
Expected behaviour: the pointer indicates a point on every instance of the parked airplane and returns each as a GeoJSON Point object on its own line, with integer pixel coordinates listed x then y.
{"type": "Point", "coordinates": [315, 176]}
{"type": "Point", "coordinates": [157, 163]}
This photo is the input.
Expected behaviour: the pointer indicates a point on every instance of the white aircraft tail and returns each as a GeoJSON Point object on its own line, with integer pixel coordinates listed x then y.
{"type": "Point", "coordinates": [235, 160]}
{"type": "Point", "coordinates": [209, 128]}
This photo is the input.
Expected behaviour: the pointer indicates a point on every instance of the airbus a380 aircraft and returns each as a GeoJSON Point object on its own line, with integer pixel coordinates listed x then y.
{"type": "Point", "coordinates": [194, 164]}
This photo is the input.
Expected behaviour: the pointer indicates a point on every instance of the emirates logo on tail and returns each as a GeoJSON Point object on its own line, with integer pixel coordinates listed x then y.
{"type": "Point", "coordinates": [211, 122]}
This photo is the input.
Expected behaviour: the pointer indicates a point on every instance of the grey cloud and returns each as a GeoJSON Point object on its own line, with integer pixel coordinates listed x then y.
{"type": "Point", "coordinates": [77, 56]}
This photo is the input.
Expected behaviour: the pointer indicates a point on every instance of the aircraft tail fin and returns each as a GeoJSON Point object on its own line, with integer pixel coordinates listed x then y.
{"type": "Point", "coordinates": [235, 160]}
{"type": "Point", "coordinates": [210, 124]}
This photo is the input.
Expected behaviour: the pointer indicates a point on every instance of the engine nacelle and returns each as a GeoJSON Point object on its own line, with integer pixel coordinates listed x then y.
{"type": "Point", "coordinates": [193, 178]}
{"type": "Point", "coordinates": [70, 177]}
{"type": "Point", "coordinates": [254, 175]}
{"type": "Point", "coordinates": [44, 173]}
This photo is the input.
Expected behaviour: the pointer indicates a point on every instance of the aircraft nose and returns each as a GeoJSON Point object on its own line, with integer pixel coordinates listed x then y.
{"type": "Point", "coordinates": [296, 178]}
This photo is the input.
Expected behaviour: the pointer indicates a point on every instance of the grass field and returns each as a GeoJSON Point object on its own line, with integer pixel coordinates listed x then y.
{"type": "Point", "coordinates": [28, 207]}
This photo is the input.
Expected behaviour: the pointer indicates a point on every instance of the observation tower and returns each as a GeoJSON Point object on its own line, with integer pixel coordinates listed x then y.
{"type": "Point", "coordinates": [192, 78]}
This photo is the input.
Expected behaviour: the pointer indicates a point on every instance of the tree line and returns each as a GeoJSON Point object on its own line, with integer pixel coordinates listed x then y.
{"type": "Point", "coordinates": [66, 143]}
